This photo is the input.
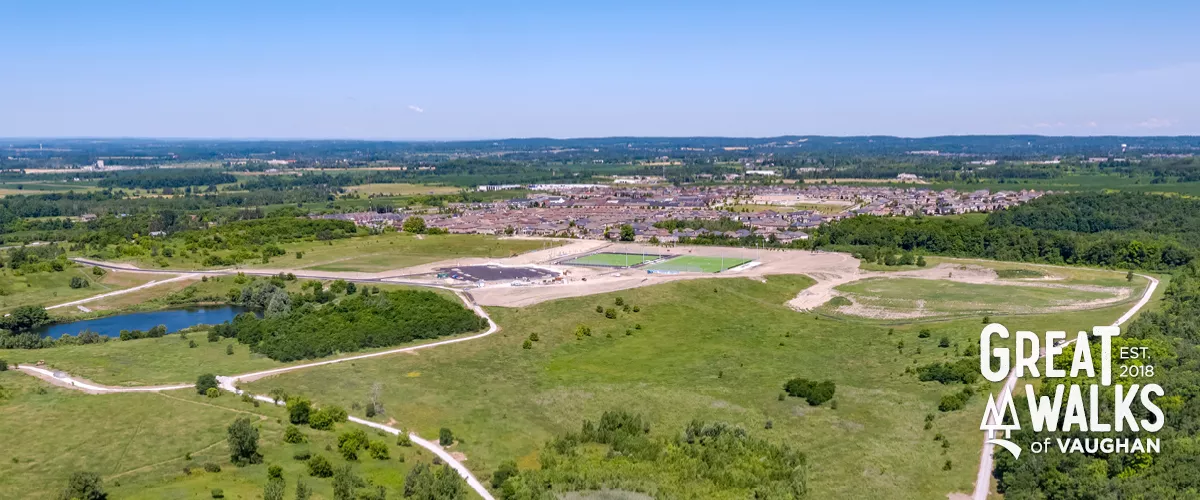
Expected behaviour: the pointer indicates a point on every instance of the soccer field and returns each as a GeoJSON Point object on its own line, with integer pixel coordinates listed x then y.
{"type": "Point", "coordinates": [695, 263]}
{"type": "Point", "coordinates": [608, 259]}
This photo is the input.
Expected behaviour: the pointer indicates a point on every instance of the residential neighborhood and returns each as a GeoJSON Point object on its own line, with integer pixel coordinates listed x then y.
{"type": "Point", "coordinates": [597, 211]}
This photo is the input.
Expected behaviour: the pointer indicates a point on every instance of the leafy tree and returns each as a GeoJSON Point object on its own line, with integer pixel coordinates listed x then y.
{"type": "Point", "coordinates": [319, 466]}
{"type": "Point", "coordinates": [303, 492]}
{"type": "Point", "coordinates": [25, 318]}
{"type": "Point", "coordinates": [351, 442]}
{"type": "Point", "coordinates": [920, 261]}
{"type": "Point", "coordinates": [445, 437]}
{"type": "Point", "coordinates": [79, 282]}
{"type": "Point", "coordinates": [506, 470]}
{"type": "Point", "coordinates": [84, 486]}
{"type": "Point", "coordinates": [627, 233]}
{"type": "Point", "coordinates": [206, 382]}
{"type": "Point", "coordinates": [243, 443]}
{"type": "Point", "coordinates": [274, 489]}
{"type": "Point", "coordinates": [424, 482]}
{"type": "Point", "coordinates": [345, 482]}
{"type": "Point", "coordinates": [293, 435]}
{"type": "Point", "coordinates": [298, 409]}
{"type": "Point", "coordinates": [414, 224]}
{"type": "Point", "coordinates": [212, 392]}
{"type": "Point", "coordinates": [378, 450]}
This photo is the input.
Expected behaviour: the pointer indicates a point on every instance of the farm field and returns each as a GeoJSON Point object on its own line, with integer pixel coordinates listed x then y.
{"type": "Point", "coordinates": [709, 349]}
{"type": "Point", "coordinates": [52, 288]}
{"type": "Point", "coordinates": [696, 263]}
{"type": "Point", "coordinates": [610, 259]}
{"type": "Point", "coordinates": [401, 189]}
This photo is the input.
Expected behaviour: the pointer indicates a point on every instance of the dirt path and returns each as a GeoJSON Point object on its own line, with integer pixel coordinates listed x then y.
{"type": "Point", "coordinates": [125, 290]}
{"type": "Point", "coordinates": [983, 476]}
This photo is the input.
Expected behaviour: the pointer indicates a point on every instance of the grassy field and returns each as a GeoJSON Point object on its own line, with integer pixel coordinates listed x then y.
{"type": "Point", "coordinates": [141, 444]}
{"type": "Point", "coordinates": [940, 297]}
{"type": "Point", "coordinates": [397, 250]}
{"type": "Point", "coordinates": [164, 360]}
{"type": "Point", "coordinates": [401, 189]}
{"type": "Point", "coordinates": [711, 349]}
{"type": "Point", "coordinates": [696, 263]}
{"type": "Point", "coordinates": [371, 253]}
{"type": "Point", "coordinates": [609, 259]}
{"type": "Point", "coordinates": [54, 288]}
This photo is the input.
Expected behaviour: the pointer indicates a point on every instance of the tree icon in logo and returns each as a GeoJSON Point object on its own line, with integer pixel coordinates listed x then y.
{"type": "Point", "coordinates": [993, 422]}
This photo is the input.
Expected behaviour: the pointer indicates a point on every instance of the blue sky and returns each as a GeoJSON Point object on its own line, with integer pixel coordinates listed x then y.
{"type": "Point", "coordinates": [470, 69]}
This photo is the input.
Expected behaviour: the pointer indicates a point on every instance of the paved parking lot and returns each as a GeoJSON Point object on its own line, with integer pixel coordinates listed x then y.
{"type": "Point", "coordinates": [497, 273]}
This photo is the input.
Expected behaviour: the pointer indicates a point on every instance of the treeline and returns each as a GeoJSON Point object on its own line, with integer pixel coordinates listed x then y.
{"type": "Point", "coordinates": [158, 178]}
{"type": "Point", "coordinates": [356, 322]}
{"type": "Point", "coordinates": [703, 460]}
{"type": "Point", "coordinates": [1172, 334]}
{"type": "Point", "coordinates": [966, 238]}
{"type": "Point", "coordinates": [1104, 212]}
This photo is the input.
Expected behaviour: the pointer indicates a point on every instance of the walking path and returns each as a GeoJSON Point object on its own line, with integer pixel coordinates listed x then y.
{"type": "Point", "coordinates": [983, 477]}
{"type": "Point", "coordinates": [229, 383]}
{"type": "Point", "coordinates": [143, 286]}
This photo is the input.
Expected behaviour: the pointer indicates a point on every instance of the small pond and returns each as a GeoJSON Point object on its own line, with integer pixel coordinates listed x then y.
{"type": "Point", "coordinates": [174, 319]}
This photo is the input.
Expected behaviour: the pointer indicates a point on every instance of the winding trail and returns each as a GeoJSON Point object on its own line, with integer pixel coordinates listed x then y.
{"type": "Point", "coordinates": [229, 383]}
{"type": "Point", "coordinates": [983, 477]}
{"type": "Point", "coordinates": [127, 290]}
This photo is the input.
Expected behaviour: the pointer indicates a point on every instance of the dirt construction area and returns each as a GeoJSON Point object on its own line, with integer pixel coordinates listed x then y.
{"type": "Point", "coordinates": [950, 288]}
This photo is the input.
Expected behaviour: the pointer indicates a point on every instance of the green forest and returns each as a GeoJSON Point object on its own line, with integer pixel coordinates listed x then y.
{"type": "Point", "coordinates": [1121, 230]}
{"type": "Point", "coordinates": [1172, 334]}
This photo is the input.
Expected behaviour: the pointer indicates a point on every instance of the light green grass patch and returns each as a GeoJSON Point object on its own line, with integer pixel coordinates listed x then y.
{"type": "Point", "coordinates": [707, 349]}
{"type": "Point", "coordinates": [610, 259]}
{"type": "Point", "coordinates": [696, 263]}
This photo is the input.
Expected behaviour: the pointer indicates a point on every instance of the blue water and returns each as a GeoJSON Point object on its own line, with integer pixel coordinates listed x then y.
{"type": "Point", "coordinates": [174, 319]}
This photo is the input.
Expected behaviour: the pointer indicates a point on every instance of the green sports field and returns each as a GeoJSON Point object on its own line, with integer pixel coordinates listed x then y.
{"type": "Point", "coordinates": [695, 263]}
{"type": "Point", "coordinates": [608, 259]}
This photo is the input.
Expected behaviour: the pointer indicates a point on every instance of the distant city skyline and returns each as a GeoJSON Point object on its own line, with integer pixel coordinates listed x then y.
{"type": "Point", "coordinates": [489, 70]}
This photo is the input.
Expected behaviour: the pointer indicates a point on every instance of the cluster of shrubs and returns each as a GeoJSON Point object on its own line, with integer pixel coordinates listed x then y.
{"type": "Point", "coordinates": [153, 332]}
{"type": "Point", "coordinates": [963, 370]}
{"type": "Point", "coordinates": [956, 401]}
{"type": "Point", "coordinates": [815, 393]}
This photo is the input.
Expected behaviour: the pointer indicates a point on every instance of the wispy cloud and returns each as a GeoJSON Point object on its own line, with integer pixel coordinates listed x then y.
{"type": "Point", "coordinates": [1091, 125]}
{"type": "Point", "coordinates": [416, 108]}
{"type": "Point", "coordinates": [1156, 123]}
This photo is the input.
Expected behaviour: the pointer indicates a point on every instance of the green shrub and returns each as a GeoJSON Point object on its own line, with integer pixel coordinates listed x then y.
{"type": "Point", "coordinates": [815, 393]}
{"type": "Point", "coordinates": [319, 466]}
{"type": "Point", "coordinates": [293, 435]}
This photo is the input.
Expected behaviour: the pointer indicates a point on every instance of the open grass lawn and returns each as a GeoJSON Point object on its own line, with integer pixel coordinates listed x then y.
{"type": "Point", "coordinates": [398, 250]}
{"type": "Point", "coordinates": [402, 189]}
{"type": "Point", "coordinates": [613, 259]}
{"type": "Point", "coordinates": [157, 361]}
{"type": "Point", "coordinates": [139, 444]}
{"type": "Point", "coordinates": [696, 263]}
{"type": "Point", "coordinates": [374, 253]}
{"type": "Point", "coordinates": [708, 349]}
{"type": "Point", "coordinates": [47, 289]}
{"type": "Point", "coordinates": [949, 297]}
